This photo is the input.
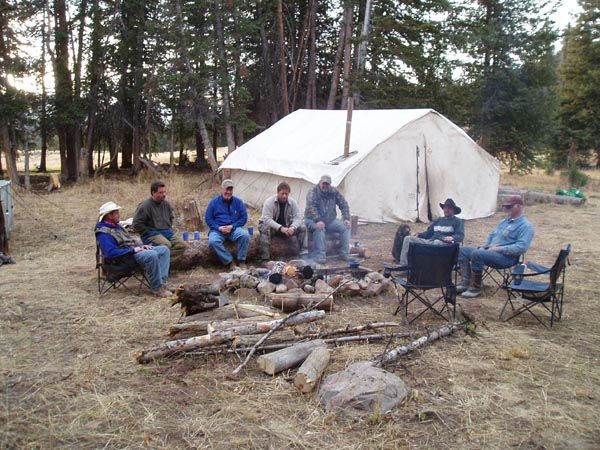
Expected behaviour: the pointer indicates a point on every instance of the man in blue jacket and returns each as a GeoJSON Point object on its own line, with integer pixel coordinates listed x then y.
{"type": "Point", "coordinates": [119, 246]}
{"type": "Point", "coordinates": [502, 248]}
{"type": "Point", "coordinates": [226, 216]}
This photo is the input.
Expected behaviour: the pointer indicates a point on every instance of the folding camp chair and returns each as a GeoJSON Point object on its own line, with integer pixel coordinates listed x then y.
{"type": "Point", "coordinates": [430, 267]}
{"type": "Point", "coordinates": [499, 276]}
{"type": "Point", "coordinates": [546, 294]}
{"type": "Point", "coordinates": [112, 275]}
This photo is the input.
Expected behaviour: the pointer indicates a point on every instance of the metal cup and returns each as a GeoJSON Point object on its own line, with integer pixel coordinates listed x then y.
{"type": "Point", "coordinates": [250, 231]}
{"type": "Point", "coordinates": [185, 236]}
{"type": "Point", "coordinates": [196, 235]}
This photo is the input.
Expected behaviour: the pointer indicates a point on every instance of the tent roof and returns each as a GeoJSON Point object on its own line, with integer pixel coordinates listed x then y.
{"type": "Point", "coordinates": [306, 143]}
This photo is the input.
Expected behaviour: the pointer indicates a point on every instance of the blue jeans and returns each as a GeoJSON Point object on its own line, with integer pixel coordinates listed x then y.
{"type": "Point", "coordinates": [335, 226]}
{"type": "Point", "coordinates": [241, 238]}
{"type": "Point", "coordinates": [156, 264]}
{"type": "Point", "coordinates": [477, 259]}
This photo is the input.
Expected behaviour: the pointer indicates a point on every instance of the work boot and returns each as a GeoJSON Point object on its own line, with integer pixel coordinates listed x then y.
{"type": "Point", "coordinates": [465, 273]}
{"type": "Point", "coordinates": [162, 292]}
{"type": "Point", "coordinates": [475, 289]}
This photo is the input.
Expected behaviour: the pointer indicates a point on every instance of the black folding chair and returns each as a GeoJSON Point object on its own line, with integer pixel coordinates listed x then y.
{"type": "Point", "coordinates": [499, 277]}
{"type": "Point", "coordinates": [430, 267]}
{"type": "Point", "coordinates": [524, 294]}
{"type": "Point", "coordinates": [112, 275]}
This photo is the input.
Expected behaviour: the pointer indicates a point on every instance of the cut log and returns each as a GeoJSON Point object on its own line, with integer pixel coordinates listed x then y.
{"type": "Point", "coordinates": [311, 370]}
{"type": "Point", "coordinates": [198, 253]}
{"type": "Point", "coordinates": [275, 362]}
{"type": "Point", "coordinates": [285, 335]}
{"type": "Point", "coordinates": [293, 301]}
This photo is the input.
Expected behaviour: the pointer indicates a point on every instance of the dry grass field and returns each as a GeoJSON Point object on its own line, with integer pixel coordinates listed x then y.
{"type": "Point", "coordinates": [68, 378]}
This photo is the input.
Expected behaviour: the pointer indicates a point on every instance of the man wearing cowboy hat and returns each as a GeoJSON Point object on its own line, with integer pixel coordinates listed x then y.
{"type": "Point", "coordinates": [448, 229]}
{"type": "Point", "coordinates": [502, 248]}
{"type": "Point", "coordinates": [119, 246]}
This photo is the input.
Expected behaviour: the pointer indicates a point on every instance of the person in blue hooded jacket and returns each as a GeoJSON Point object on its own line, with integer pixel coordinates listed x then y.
{"type": "Point", "coordinates": [226, 216]}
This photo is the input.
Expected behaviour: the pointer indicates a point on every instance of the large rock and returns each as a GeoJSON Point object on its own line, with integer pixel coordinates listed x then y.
{"type": "Point", "coordinates": [362, 389]}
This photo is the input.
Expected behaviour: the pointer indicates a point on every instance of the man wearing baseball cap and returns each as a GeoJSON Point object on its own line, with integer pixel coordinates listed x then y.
{"type": "Point", "coordinates": [320, 217]}
{"type": "Point", "coordinates": [226, 216]}
{"type": "Point", "coordinates": [502, 248]}
{"type": "Point", "coordinates": [119, 247]}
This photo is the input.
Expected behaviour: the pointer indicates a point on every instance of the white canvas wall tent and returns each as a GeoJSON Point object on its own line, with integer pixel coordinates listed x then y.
{"type": "Point", "coordinates": [401, 163]}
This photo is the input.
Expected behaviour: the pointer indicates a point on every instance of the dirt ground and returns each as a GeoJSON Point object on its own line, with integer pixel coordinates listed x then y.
{"type": "Point", "coordinates": [68, 378]}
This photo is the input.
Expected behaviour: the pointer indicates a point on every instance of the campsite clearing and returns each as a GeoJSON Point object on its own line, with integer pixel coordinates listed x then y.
{"type": "Point", "coordinates": [69, 380]}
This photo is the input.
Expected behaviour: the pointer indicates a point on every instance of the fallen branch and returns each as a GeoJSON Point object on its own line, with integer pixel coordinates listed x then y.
{"type": "Point", "coordinates": [393, 355]}
{"type": "Point", "coordinates": [272, 347]}
{"type": "Point", "coordinates": [356, 329]}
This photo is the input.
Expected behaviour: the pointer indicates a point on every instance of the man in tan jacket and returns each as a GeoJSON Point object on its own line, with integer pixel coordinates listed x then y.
{"type": "Point", "coordinates": [280, 216]}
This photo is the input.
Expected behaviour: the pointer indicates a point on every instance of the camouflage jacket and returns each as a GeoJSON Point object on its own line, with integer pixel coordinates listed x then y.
{"type": "Point", "coordinates": [320, 206]}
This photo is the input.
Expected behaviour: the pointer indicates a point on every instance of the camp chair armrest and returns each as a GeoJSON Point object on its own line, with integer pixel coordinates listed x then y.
{"type": "Point", "coordinates": [538, 269]}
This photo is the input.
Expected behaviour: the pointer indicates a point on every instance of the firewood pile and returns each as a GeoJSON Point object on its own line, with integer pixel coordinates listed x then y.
{"type": "Point", "coordinates": [286, 286]}
{"type": "Point", "coordinates": [285, 341]}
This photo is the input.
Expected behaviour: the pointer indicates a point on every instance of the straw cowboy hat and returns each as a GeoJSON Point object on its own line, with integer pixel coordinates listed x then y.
{"type": "Point", "coordinates": [108, 207]}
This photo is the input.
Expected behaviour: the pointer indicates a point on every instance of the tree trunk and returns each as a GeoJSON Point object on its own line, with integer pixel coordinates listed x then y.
{"type": "Point", "coordinates": [311, 88]}
{"type": "Point", "coordinates": [199, 327]}
{"type": "Point", "coordinates": [282, 61]}
{"type": "Point", "coordinates": [9, 155]}
{"type": "Point", "coordinates": [275, 362]}
{"type": "Point", "coordinates": [97, 71]}
{"type": "Point", "coordinates": [311, 371]}
{"type": "Point", "coordinates": [297, 68]}
{"type": "Point", "coordinates": [347, 58]}
{"type": "Point", "coordinates": [195, 97]}
{"type": "Point", "coordinates": [66, 126]}
{"type": "Point", "coordinates": [198, 253]}
{"type": "Point", "coordinates": [361, 54]}
{"type": "Point", "coordinates": [224, 77]}
{"type": "Point", "coordinates": [337, 64]}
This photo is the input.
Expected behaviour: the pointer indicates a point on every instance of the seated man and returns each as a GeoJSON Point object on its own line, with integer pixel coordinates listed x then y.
{"type": "Point", "coordinates": [280, 216]}
{"type": "Point", "coordinates": [119, 246]}
{"type": "Point", "coordinates": [226, 216]}
{"type": "Point", "coordinates": [320, 216]}
{"type": "Point", "coordinates": [502, 249]}
{"type": "Point", "coordinates": [153, 220]}
{"type": "Point", "coordinates": [444, 230]}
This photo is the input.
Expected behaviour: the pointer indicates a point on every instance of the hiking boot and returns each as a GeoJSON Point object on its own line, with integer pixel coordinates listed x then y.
{"type": "Point", "coordinates": [162, 292]}
{"type": "Point", "coordinates": [475, 290]}
{"type": "Point", "coordinates": [465, 272]}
